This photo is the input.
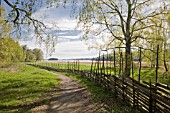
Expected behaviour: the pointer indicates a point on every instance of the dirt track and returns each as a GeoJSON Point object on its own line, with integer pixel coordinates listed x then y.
{"type": "Point", "coordinates": [71, 98]}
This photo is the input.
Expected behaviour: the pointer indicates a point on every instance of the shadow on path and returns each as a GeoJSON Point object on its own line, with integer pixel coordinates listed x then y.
{"type": "Point", "coordinates": [72, 98]}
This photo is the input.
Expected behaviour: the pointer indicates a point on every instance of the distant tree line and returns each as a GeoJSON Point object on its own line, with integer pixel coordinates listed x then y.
{"type": "Point", "coordinates": [32, 54]}
{"type": "Point", "coordinates": [11, 51]}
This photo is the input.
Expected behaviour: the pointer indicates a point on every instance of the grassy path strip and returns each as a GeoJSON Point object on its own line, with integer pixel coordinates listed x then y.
{"type": "Point", "coordinates": [25, 87]}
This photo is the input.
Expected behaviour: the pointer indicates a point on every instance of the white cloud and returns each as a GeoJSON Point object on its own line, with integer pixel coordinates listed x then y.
{"type": "Point", "coordinates": [75, 49]}
{"type": "Point", "coordinates": [60, 16]}
{"type": "Point", "coordinates": [69, 43]}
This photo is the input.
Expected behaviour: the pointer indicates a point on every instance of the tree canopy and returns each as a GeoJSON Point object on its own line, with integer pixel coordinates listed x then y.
{"type": "Point", "coordinates": [10, 50]}
{"type": "Point", "coordinates": [125, 20]}
{"type": "Point", "coordinates": [38, 54]}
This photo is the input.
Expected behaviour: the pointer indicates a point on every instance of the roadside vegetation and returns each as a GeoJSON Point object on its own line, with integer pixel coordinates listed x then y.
{"type": "Point", "coordinates": [22, 86]}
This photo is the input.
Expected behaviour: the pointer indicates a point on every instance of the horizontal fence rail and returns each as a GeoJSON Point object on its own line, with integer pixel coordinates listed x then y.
{"type": "Point", "coordinates": [145, 96]}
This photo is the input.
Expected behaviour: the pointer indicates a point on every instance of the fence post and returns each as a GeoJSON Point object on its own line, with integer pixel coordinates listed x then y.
{"type": "Point", "coordinates": [74, 65]}
{"type": "Point", "coordinates": [98, 68]}
{"type": "Point", "coordinates": [140, 60]}
{"type": "Point", "coordinates": [155, 98]}
{"type": "Point", "coordinates": [123, 88]}
{"type": "Point", "coordinates": [107, 63]}
{"type": "Point", "coordinates": [150, 97]}
{"type": "Point", "coordinates": [134, 98]}
{"type": "Point", "coordinates": [95, 72]}
{"type": "Point", "coordinates": [115, 87]}
{"type": "Point", "coordinates": [78, 65]}
{"type": "Point", "coordinates": [103, 66]}
{"type": "Point", "coordinates": [114, 62]}
{"type": "Point", "coordinates": [157, 65]}
{"type": "Point", "coordinates": [110, 67]}
{"type": "Point", "coordinates": [132, 65]}
{"type": "Point", "coordinates": [103, 74]}
{"type": "Point", "coordinates": [91, 70]}
{"type": "Point", "coordinates": [120, 63]}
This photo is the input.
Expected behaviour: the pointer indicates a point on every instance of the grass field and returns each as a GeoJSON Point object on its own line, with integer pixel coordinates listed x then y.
{"type": "Point", "coordinates": [21, 85]}
{"type": "Point", "coordinates": [146, 73]}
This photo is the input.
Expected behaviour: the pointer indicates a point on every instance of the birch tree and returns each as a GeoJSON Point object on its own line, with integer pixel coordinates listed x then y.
{"type": "Point", "coordinates": [125, 20]}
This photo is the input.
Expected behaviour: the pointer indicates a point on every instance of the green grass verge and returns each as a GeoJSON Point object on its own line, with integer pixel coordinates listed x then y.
{"type": "Point", "coordinates": [64, 65]}
{"type": "Point", "coordinates": [149, 73]}
{"type": "Point", "coordinates": [146, 73]}
{"type": "Point", "coordinates": [24, 86]}
{"type": "Point", "coordinates": [99, 94]}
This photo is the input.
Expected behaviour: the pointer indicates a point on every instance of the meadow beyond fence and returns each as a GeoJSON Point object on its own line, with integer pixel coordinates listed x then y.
{"type": "Point", "coordinates": [143, 96]}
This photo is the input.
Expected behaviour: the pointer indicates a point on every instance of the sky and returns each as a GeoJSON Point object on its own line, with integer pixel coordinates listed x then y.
{"type": "Point", "coordinates": [69, 43]}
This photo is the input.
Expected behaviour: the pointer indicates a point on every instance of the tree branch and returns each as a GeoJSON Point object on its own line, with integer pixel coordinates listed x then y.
{"type": "Point", "coordinates": [107, 25]}
{"type": "Point", "coordinates": [153, 14]}
{"type": "Point", "coordinates": [16, 10]}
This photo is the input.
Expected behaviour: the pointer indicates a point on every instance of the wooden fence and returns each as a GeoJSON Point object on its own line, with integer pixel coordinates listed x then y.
{"type": "Point", "coordinates": [145, 96]}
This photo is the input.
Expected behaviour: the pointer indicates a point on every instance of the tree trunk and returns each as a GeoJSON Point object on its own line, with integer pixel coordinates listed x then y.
{"type": "Point", "coordinates": [127, 58]}
{"type": "Point", "coordinates": [164, 59]}
{"type": "Point", "coordinates": [128, 40]}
